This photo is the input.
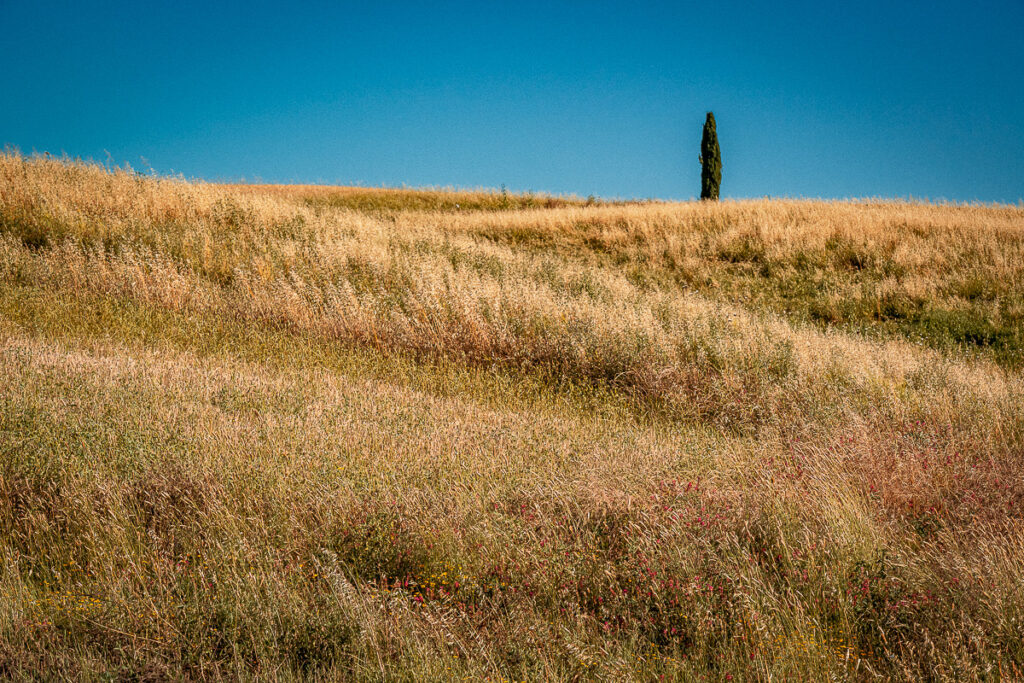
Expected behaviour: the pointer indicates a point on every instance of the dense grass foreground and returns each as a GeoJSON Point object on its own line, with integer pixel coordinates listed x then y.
{"type": "Point", "coordinates": [304, 432]}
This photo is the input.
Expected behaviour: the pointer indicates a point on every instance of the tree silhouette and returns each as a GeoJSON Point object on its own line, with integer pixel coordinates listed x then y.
{"type": "Point", "coordinates": [710, 161]}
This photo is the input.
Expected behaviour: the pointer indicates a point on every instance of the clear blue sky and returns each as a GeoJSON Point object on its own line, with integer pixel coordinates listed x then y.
{"type": "Point", "coordinates": [815, 99]}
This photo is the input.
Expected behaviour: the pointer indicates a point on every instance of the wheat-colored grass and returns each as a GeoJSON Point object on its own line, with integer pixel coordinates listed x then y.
{"type": "Point", "coordinates": [315, 432]}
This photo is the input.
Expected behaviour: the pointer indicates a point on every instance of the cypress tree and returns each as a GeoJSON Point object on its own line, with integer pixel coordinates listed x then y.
{"type": "Point", "coordinates": [710, 161]}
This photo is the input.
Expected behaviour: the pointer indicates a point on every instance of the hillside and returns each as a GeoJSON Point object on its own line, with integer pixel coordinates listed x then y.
{"type": "Point", "coordinates": [291, 431]}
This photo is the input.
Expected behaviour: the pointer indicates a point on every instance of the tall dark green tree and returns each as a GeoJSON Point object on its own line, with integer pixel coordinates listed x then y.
{"type": "Point", "coordinates": [710, 161]}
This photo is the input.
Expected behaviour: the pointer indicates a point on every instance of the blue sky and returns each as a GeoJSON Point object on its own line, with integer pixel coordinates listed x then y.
{"type": "Point", "coordinates": [812, 99]}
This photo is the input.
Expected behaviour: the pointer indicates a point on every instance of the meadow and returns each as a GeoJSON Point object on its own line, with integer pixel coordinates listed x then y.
{"type": "Point", "coordinates": [294, 432]}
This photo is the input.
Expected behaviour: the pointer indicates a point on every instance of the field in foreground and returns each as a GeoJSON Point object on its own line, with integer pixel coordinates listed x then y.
{"type": "Point", "coordinates": [290, 432]}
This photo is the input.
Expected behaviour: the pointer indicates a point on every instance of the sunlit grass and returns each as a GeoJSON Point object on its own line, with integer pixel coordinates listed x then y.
{"type": "Point", "coordinates": [294, 432]}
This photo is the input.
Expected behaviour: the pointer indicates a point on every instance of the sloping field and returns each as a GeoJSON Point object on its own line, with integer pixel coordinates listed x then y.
{"type": "Point", "coordinates": [296, 432]}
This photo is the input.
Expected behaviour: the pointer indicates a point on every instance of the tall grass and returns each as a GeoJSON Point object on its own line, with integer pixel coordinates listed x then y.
{"type": "Point", "coordinates": [295, 431]}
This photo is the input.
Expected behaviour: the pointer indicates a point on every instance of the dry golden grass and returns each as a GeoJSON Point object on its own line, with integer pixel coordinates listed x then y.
{"type": "Point", "coordinates": [300, 432]}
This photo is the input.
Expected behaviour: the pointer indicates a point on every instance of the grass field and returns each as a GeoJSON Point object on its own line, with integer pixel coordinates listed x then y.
{"type": "Point", "coordinates": [305, 432]}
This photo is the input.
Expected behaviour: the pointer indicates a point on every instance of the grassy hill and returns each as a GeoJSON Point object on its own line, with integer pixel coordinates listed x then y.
{"type": "Point", "coordinates": [289, 431]}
